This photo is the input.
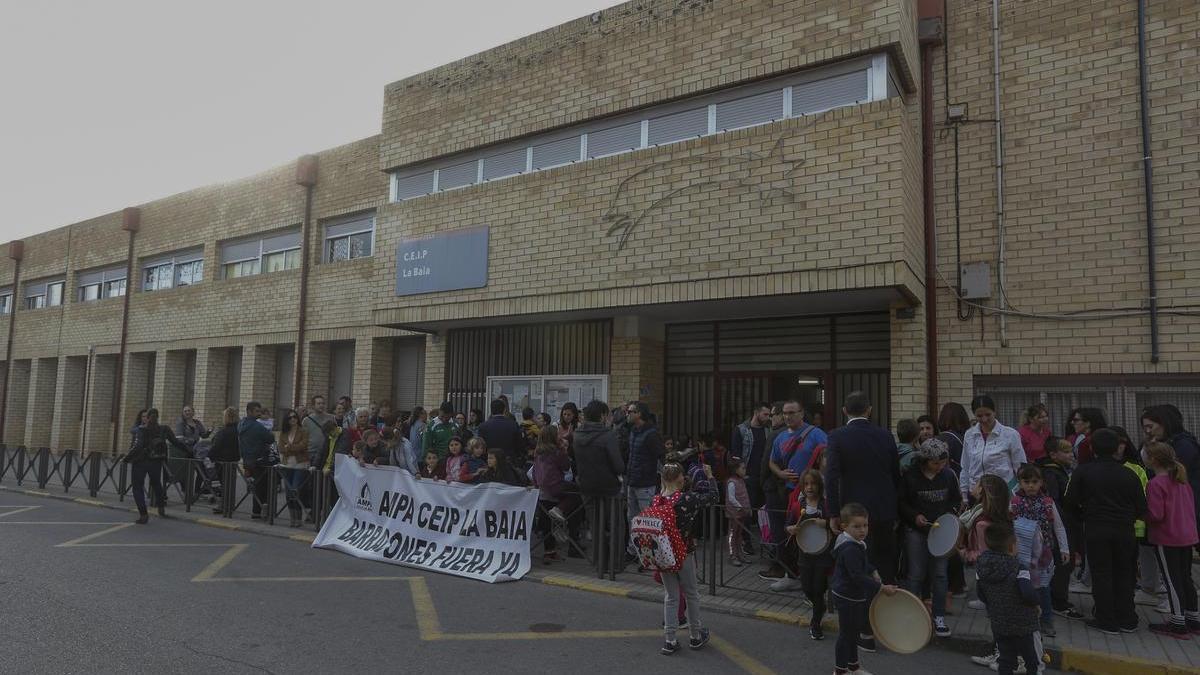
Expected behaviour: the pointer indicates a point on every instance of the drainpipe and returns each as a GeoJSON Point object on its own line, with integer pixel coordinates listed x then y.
{"type": "Point", "coordinates": [131, 221]}
{"type": "Point", "coordinates": [16, 251]}
{"type": "Point", "coordinates": [1148, 179]}
{"type": "Point", "coordinates": [306, 175]}
{"type": "Point", "coordinates": [931, 339]}
{"type": "Point", "coordinates": [1002, 255]}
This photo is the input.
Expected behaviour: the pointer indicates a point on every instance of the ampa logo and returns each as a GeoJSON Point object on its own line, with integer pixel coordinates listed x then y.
{"type": "Point", "coordinates": [364, 498]}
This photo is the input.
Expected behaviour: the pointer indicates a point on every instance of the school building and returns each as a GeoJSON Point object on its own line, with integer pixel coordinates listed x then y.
{"type": "Point", "coordinates": [697, 203]}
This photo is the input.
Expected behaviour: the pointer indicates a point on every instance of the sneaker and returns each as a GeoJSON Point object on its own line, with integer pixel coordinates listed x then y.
{"type": "Point", "coordinates": [1079, 587]}
{"type": "Point", "coordinates": [1070, 613]}
{"type": "Point", "coordinates": [1107, 630]}
{"type": "Point", "coordinates": [867, 644]}
{"type": "Point", "coordinates": [940, 628]}
{"type": "Point", "coordinates": [735, 562]}
{"type": "Point", "coordinates": [1144, 598]}
{"type": "Point", "coordinates": [958, 595]}
{"type": "Point", "coordinates": [986, 661]}
{"type": "Point", "coordinates": [669, 648]}
{"type": "Point", "coordinates": [1172, 630]}
{"type": "Point", "coordinates": [816, 632]}
{"type": "Point", "coordinates": [976, 604]}
{"type": "Point", "coordinates": [861, 671]}
{"type": "Point", "coordinates": [698, 641]}
{"type": "Point", "coordinates": [772, 573]}
{"type": "Point", "coordinates": [787, 584]}
{"type": "Point", "coordinates": [1164, 607]}
{"type": "Point", "coordinates": [995, 665]}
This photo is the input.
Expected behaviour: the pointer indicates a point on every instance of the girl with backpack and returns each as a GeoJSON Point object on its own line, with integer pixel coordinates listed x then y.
{"type": "Point", "coordinates": [146, 459]}
{"type": "Point", "coordinates": [684, 509]}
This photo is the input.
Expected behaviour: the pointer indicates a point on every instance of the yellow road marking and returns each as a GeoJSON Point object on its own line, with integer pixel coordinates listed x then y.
{"type": "Point", "coordinates": [287, 579]}
{"type": "Point", "coordinates": [220, 563]}
{"type": "Point", "coordinates": [147, 545]}
{"type": "Point", "coordinates": [218, 523]}
{"type": "Point", "coordinates": [306, 538]}
{"type": "Point", "coordinates": [89, 502]}
{"type": "Point", "coordinates": [741, 658]}
{"type": "Point", "coordinates": [35, 493]}
{"type": "Point", "coordinates": [427, 616]}
{"type": "Point", "coordinates": [94, 535]}
{"type": "Point", "coordinates": [16, 510]}
{"type": "Point", "coordinates": [585, 586]}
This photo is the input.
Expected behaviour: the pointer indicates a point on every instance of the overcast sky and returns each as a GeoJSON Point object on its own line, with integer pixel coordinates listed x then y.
{"type": "Point", "coordinates": [109, 104]}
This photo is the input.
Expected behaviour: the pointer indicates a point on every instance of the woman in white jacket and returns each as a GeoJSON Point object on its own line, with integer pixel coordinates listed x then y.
{"type": "Point", "coordinates": [989, 447]}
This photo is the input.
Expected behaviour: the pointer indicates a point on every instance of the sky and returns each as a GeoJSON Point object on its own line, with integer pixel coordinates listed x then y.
{"type": "Point", "coordinates": [109, 104]}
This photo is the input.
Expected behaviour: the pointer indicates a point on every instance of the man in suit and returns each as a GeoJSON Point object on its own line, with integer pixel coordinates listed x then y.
{"type": "Point", "coordinates": [863, 465]}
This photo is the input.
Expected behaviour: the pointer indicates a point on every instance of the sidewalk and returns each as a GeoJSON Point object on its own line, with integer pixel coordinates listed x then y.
{"type": "Point", "coordinates": [1076, 648]}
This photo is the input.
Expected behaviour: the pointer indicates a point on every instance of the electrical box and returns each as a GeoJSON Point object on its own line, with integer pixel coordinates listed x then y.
{"type": "Point", "coordinates": [956, 112]}
{"type": "Point", "coordinates": [976, 281]}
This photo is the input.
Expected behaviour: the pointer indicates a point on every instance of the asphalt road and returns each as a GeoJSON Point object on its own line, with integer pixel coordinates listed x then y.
{"type": "Point", "coordinates": [84, 591]}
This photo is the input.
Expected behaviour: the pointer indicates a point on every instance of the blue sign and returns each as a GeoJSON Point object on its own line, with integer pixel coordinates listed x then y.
{"type": "Point", "coordinates": [446, 261]}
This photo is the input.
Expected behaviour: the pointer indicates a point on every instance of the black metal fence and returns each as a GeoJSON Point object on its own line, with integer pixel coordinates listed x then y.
{"type": "Point", "coordinates": [592, 530]}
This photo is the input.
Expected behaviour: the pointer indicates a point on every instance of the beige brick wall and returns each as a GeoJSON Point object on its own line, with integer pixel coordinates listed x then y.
{"type": "Point", "coordinates": [39, 416]}
{"type": "Point", "coordinates": [815, 203]}
{"type": "Point", "coordinates": [637, 372]}
{"type": "Point", "coordinates": [1074, 193]}
{"type": "Point", "coordinates": [18, 402]}
{"type": "Point", "coordinates": [68, 404]}
{"type": "Point", "coordinates": [98, 434]}
{"type": "Point", "coordinates": [638, 53]}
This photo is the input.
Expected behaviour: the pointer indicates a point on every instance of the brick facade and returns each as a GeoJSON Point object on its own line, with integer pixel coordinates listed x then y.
{"type": "Point", "coordinates": [823, 212]}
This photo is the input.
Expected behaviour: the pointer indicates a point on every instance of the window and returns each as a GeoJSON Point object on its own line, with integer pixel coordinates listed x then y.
{"type": "Point", "coordinates": [349, 238]}
{"type": "Point", "coordinates": [868, 78]}
{"type": "Point", "coordinates": [41, 294]}
{"type": "Point", "coordinates": [273, 253]}
{"type": "Point", "coordinates": [184, 268]}
{"type": "Point", "coordinates": [5, 302]}
{"type": "Point", "coordinates": [100, 284]}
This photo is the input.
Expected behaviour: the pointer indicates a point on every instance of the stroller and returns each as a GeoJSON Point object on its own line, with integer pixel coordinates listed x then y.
{"type": "Point", "coordinates": [208, 475]}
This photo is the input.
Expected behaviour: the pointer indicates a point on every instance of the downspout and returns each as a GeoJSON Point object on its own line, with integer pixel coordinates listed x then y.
{"type": "Point", "coordinates": [1002, 256]}
{"type": "Point", "coordinates": [1148, 179]}
{"type": "Point", "coordinates": [931, 342]}
{"type": "Point", "coordinates": [16, 251]}
{"type": "Point", "coordinates": [306, 175]}
{"type": "Point", "coordinates": [131, 220]}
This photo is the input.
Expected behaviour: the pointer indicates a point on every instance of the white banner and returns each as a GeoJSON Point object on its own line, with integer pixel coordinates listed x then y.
{"type": "Point", "coordinates": [385, 514]}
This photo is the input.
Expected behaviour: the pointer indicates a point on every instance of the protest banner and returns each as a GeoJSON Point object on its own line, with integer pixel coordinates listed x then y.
{"type": "Point", "coordinates": [385, 514]}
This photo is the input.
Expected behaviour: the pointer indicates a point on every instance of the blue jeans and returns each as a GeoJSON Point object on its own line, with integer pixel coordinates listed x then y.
{"type": "Point", "coordinates": [140, 471]}
{"type": "Point", "coordinates": [1045, 602]}
{"type": "Point", "coordinates": [922, 564]}
{"type": "Point", "coordinates": [638, 498]}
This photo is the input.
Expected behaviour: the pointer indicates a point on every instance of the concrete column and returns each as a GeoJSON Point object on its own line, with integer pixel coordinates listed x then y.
{"type": "Point", "coordinates": [18, 403]}
{"type": "Point", "coordinates": [169, 380]}
{"type": "Point", "coordinates": [39, 417]}
{"type": "Point", "coordinates": [908, 377]}
{"type": "Point", "coordinates": [3, 376]}
{"type": "Point", "coordinates": [435, 371]}
{"type": "Point", "coordinates": [258, 375]}
{"type": "Point", "coordinates": [97, 434]}
{"type": "Point", "coordinates": [136, 384]}
{"type": "Point", "coordinates": [212, 372]}
{"type": "Point", "coordinates": [372, 370]}
{"type": "Point", "coordinates": [68, 406]}
{"type": "Point", "coordinates": [316, 372]}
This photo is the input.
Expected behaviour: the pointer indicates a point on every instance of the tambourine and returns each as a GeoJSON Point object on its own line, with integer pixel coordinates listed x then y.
{"type": "Point", "coordinates": [812, 537]}
{"type": "Point", "coordinates": [944, 535]}
{"type": "Point", "coordinates": [900, 622]}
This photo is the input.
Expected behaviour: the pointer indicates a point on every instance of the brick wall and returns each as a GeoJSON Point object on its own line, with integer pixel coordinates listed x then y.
{"type": "Point", "coordinates": [636, 54]}
{"type": "Point", "coordinates": [1073, 195]}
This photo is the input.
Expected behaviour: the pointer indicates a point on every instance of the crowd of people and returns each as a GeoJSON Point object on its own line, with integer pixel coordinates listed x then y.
{"type": "Point", "coordinates": [1045, 516]}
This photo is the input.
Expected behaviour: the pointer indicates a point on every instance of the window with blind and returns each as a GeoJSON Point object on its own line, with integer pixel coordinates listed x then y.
{"type": "Point", "coordinates": [808, 92]}
{"type": "Point", "coordinates": [100, 284]}
{"type": "Point", "coordinates": [173, 270]}
{"type": "Point", "coordinates": [6, 306]}
{"type": "Point", "coordinates": [42, 294]}
{"type": "Point", "coordinates": [272, 253]}
{"type": "Point", "coordinates": [350, 237]}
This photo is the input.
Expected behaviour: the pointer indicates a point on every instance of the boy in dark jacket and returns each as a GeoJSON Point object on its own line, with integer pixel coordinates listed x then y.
{"type": "Point", "coordinates": [1012, 602]}
{"type": "Point", "coordinates": [1056, 466]}
{"type": "Point", "coordinates": [1107, 497]}
{"type": "Point", "coordinates": [855, 583]}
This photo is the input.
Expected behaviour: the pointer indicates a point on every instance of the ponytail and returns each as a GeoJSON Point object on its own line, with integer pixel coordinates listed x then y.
{"type": "Point", "coordinates": [1162, 456]}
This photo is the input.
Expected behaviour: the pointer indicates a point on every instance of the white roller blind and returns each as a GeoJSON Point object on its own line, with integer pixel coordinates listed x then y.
{"type": "Point", "coordinates": [244, 250]}
{"type": "Point", "coordinates": [678, 126]}
{"type": "Point", "coordinates": [363, 222]}
{"type": "Point", "coordinates": [416, 185]}
{"type": "Point", "coordinates": [616, 139]}
{"type": "Point", "coordinates": [830, 92]}
{"type": "Point", "coordinates": [281, 242]}
{"type": "Point", "coordinates": [751, 110]}
{"type": "Point", "coordinates": [504, 164]}
{"type": "Point", "coordinates": [89, 278]}
{"type": "Point", "coordinates": [458, 175]}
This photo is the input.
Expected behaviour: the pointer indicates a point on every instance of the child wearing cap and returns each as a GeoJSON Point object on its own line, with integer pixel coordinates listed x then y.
{"type": "Point", "coordinates": [927, 491]}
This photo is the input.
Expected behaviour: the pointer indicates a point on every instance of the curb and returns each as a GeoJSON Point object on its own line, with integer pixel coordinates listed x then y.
{"type": "Point", "coordinates": [1067, 659]}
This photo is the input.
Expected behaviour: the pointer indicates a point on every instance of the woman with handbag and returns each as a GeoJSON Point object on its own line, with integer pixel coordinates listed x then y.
{"type": "Point", "coordinates": [146, 459]}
